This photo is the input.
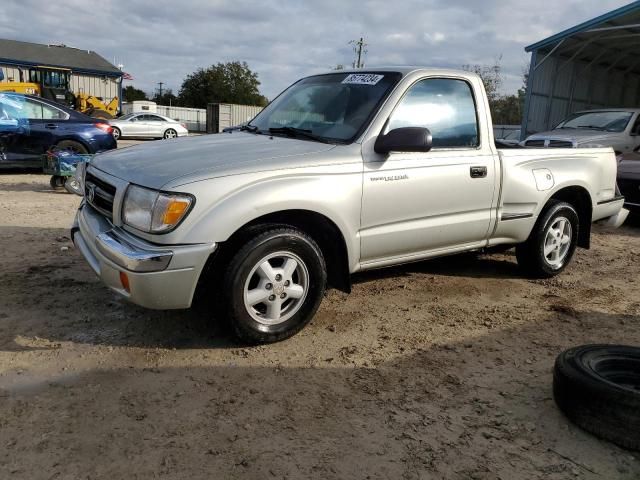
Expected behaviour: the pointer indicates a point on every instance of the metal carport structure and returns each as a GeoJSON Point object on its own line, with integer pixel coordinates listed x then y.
{"type": "Point", "coordinates": [593, 65]}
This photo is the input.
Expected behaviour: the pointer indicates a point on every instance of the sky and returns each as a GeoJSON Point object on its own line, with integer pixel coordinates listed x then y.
{"type": "Point", "coordinates": [283, 40]}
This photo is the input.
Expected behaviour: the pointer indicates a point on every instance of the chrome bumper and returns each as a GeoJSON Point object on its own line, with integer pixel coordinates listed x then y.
{"type": "Point", "coordinates": [159, 277]}
{"type": "Point", "coordinates": [127, 256]}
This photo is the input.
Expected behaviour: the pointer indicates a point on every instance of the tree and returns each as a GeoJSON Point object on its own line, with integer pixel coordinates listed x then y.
{"type": "Point", "coordinates": [491, 78]}
{"type": "Point", "coordinates": [505, 109]}
{"type": "Point", "coordinates": [231, 82]}
{"type": "Point", "coordinates": [131, 94]}
{"type": "Point", "coordinates": [167, 98]}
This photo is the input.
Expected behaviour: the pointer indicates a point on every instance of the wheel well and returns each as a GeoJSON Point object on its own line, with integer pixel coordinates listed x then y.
{"type": "Point", "coordinates": [73, 139]}
{"type": "Point", "coordinates": [326, 234]}
{"type": "Point", "coordinates": [580, 199]}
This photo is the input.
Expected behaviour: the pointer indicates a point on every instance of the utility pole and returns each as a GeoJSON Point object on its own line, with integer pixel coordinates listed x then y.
{"type": "Point", "coordinates": [160, 89]}
{"type": "Point", "coordinates": [359, 49]}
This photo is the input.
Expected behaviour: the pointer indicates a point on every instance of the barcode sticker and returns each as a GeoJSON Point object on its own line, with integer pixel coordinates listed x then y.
{"type": "Point", "coordinates": [363, 78]}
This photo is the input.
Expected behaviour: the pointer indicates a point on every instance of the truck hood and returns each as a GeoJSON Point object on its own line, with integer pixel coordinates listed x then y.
{"type": "Point", "coordinates": [579, 136]}
{"type": "Point", "coordinates": [189, 159]}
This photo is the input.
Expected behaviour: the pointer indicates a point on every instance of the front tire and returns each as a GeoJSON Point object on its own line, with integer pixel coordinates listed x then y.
{"type": "Point", "coordinates": [274, 285]}
{"type": "Point", "coordinates": [552, 242]}
{"type": "Point", "coordinates": [116, 133]}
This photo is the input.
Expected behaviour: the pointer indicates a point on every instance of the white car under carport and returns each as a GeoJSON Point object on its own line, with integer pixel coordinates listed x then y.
{"type": "Point", "coordinates": [147, 125]}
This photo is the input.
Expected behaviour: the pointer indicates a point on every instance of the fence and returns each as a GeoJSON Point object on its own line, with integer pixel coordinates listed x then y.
{"type": "Point", "coordinates": [214, 119]}
{"type": "Point", "coordinates": [194, 118]}
{"type": "Point", "coordinates": [224, 115]}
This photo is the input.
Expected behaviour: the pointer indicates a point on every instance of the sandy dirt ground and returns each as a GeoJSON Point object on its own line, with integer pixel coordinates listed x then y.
{"type": "Point", "coordinates": [440, 369]}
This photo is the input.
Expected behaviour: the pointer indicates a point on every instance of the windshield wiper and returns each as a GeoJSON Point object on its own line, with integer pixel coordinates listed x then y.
{"type": "Point", "coordinates": [590, 127]}
{"type": "Point", "coordinates": [249, 128]}
{"type": "Point", "coordinates": [298, 132]}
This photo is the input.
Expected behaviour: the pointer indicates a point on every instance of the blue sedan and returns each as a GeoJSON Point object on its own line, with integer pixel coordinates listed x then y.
{"type": "Point", "coordinates": [30, 126]}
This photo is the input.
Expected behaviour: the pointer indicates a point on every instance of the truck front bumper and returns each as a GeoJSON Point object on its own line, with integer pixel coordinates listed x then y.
{"type": "Point", "coordinates": [153, 276]}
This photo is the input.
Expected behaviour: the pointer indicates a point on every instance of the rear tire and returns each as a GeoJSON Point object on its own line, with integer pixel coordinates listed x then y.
{"type": "Point", "coordinates": [71, 146]}
{"type": "Point", "coordinates": [170, 133]}
{"type": "Point", "coordinates": [274, 285]}
{"type": "Point", "coordinates": [552, 242]}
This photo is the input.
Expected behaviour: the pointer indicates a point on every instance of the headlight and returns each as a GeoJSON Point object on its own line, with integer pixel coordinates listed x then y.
{"type": "Point", "coordinates": [152, 211]}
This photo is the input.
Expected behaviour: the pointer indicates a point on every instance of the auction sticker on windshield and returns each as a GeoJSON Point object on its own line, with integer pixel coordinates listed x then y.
{"type": "Point", "coordinates": [363, 78]}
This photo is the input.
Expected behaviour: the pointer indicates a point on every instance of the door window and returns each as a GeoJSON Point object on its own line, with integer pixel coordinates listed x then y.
{"type": "Point", "coordinates": [443, 105]}
{"type": "Point", "coordinates": [34, 110]}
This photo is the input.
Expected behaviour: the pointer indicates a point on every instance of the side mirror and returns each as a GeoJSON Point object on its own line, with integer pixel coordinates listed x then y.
{"type": "Point", "coordinates": [405, 139]}
{"type": "Point", "coordinates": [636, 130]}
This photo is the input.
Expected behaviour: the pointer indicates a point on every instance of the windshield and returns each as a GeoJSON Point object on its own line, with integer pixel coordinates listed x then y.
{"type": "Point", "coordinates": [334, 107]}
{"type": "Point", "coordinates": [127, 116]}
{"type": "Point", "coordinates": [610, 121]}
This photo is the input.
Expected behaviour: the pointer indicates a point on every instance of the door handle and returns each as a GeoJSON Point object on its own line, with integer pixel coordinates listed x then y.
{"type": "Point", "coordinates": [478, 172]}
{"type": "Point", "coordinates": [51, 126]}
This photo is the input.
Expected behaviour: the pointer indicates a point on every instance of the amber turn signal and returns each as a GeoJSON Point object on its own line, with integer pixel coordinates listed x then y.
{"type": "Point", "coordinates": [124, 280]}
{"type": "Point", "coordinates": [175, 210]}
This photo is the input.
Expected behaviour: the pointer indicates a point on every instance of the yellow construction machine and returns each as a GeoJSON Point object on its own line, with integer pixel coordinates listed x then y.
{"type": "Point", "coordinates": [53, 84]}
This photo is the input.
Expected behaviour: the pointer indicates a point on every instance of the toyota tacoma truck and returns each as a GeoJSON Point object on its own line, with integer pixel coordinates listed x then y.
{"type": "Point", "coordinates": [343, 172]}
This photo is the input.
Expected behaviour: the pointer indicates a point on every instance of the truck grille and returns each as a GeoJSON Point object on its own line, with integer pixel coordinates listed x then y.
{"type": "Point", "coordinates": [560, 144]}
{"type": "Point", "coordinates": [549, 143]}
{"type": "Point", "coordinates": [99, 194]}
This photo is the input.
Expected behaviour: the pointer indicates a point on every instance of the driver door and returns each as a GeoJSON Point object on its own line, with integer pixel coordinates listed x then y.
{"type": "Point", "coordinates": [134, 127]}
{"type": "Point", "coordinates": [417, 203]}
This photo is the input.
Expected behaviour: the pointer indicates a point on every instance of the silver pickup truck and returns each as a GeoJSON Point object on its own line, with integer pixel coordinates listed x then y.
{"type": "Point", "coordinates": [615, 128]}
{"type": "Point", "coordinates": [342, 172]}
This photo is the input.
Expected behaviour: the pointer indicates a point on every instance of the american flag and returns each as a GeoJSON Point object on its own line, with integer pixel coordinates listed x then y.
{"type": "Point", "coordinates": [126, 76]}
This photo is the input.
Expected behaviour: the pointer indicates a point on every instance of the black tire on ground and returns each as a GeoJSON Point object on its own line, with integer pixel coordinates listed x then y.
{"type": "Point", "coordinates": [531, 254]}
{"type": "Point", "coordinates": [598, 388]}
{"type": "Point", "coordinates": [72, 185]}
{"type": "Point", "coordinates": [72, 146]}
{"type": "Point", "coordinates": [101, 114]}
{"type": "Point", "coordinates": [241, 274]}
{"type": "Point", "coordinates": [116, 133]}
{"type": "Point", "coordinates": [170, 133]}
{"type": "Point", "coordinates": [57, 182]}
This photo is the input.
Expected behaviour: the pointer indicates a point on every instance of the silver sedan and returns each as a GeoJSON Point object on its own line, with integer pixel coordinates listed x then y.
{"type": "Point", "coordinates": [147, 125]}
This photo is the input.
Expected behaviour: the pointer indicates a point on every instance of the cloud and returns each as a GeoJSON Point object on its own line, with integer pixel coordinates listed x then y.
{"type": "Point", "coordinates": [283, 40]}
